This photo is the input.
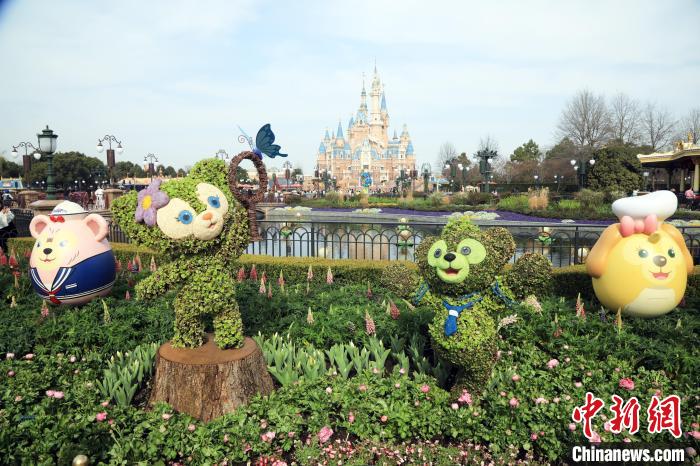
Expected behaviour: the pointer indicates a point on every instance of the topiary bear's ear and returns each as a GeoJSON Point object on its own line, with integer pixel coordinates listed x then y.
{"type": "Point", "coordinates": [501, 243]}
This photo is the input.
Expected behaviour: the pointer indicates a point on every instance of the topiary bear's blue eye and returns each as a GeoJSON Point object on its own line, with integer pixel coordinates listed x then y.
{"type": "Point", "coordinates": [185, 217]}
{"type": "Point", "coordinates": [466, 250]}
{"type": "Point", "coordinates": [437, 253]}
{"type": "Point", "coordinates": [214, 201]}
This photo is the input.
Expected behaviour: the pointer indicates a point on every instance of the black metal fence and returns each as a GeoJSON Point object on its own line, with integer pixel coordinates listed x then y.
{"type": "Point", "coordinates": [562, 244]}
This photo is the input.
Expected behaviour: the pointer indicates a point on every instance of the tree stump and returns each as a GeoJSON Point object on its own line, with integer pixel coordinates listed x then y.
{"type": "Point", "coordinates": [207, 382]}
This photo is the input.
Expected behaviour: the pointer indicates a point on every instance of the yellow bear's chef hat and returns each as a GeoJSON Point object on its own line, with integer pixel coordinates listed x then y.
{"type": "Point", "coordinates": [644, 214]}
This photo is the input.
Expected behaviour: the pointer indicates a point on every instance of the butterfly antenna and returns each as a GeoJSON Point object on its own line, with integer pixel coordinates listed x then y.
{"type": "Point", "coordinates": [243, 138]}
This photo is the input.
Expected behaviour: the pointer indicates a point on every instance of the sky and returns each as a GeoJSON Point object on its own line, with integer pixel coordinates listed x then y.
{"type": "Point", "coordinates": [175, 78]}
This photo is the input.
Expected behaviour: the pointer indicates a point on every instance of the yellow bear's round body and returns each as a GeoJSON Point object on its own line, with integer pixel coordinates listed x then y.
{"type": "Point", "coordinates": [644, 275]}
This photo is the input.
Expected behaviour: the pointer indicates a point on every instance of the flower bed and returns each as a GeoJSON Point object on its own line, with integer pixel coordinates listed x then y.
{"type": "Point", "coordinates": [384, 399]}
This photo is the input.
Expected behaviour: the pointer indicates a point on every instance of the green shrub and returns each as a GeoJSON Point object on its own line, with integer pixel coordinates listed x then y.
{"type": "Point", "coordinates": [400, 279]}
{"type": "Point", "coordinates": [436, 199]}
{"type": "Point", "coordinates": [517, 203]}
{"type": "Point", "coordinates": [126, 372]}
{"type": "Point", "coordinates": [332, 197]}
{"type": "Point", "coordinates": [590, 199]}
{"type": "Point", "coordinates": [571, 205]}
{"type": "Point", "coordinates": [530, 275]}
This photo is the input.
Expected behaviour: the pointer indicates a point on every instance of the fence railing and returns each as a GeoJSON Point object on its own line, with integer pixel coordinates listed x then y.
{"type": "Point", "coordinates": [562, 244]}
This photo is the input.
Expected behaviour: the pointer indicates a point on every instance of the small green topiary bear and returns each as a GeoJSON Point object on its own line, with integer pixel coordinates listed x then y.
{"type": "Point", "coordinates": [461, 268]}
{"type": "Point", "coordinates": [198, 224]}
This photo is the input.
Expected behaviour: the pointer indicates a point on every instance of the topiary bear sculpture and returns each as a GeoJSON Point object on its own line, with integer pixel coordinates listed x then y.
{"type": "Point", "coordinates": [461, 270]}
{"type": "Point", "coordinates": [198, 224]}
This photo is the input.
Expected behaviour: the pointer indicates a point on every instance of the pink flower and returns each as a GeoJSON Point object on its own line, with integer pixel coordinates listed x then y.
{"type": "Point", "coordinates": [515, 378]}
{"type": "Point", "coordinates": [626, 440]}
{"type": "Point", "coordinates": [465, 397]}
{"type": "Point", "coordinates": [617, 369]}
{"type": "Point", "coordinates": [454, 406]}
{"type": "Point", "coordinates": [263, 423]}
{"type": "Point", "coordinates": [695, 434]}
{"type": "Point", "coordinates": [498, 354]}
{"type": "Point", "coordinates": [191, 427]}
{"type": "Point", "coordinates": [267, 436]}
{"type": "Point", "coordinates": [50, 393]}
{"type": "Point", "coordinates": [384, 418]}
{"type": "Point", "coordinates": [29, 356]}
{"type": "Point", "coordinates": [503, 394]}
{"type": "Point", "coordinates": [552, 363]}
{"type": "Point", "coordinates": [402, 371]}
{"type": "Point", "coordinates": [58, 395]}
{"type": "Point", "coordinates": [572, 427]}
{"type": "Point", "coordinates": [351, 417]}
{"type": "Point", "coordinates": [425, 388]}
{"type": "Point", "coordinates": [329, 390]}
{"type": "Point", "coordinates": [73, 359]}
{"type": "Point", "coordinates": [627, 384]}
{"type": "Point", "coordinates": [104, 404]}
{"type": "Point", "coordinates": [556, 399]}
{"type": "Point", "coordinates": [607, 426]}
{"type": "Point", "coordinates": [375, 370]}
{"type": "Point", "coordinates": [540, 401]}
{"type": "Point", "coordinates": [291, 434]}
{"type": "Point", "coordinates": [362, 388]}
{"type": "Point", "coordinates": [18, 399]}
{"type": "Point", "coordinates": [10, 373]}
{"type": "Point", "coordinates": [578, 384]}
{"type": "Point", "coordinates": [99, 417]}
{"type": "Point", "coordinates": [514, 403]}
{"type": "Point", "coordinates": [397, 385]}
{"type": "Point", "coordinates": [595, 438]}
{"type": "Point", "coordinates": [325, 434]}
{"type": "Point", "coordinates": [10, 356]}
{"type": "Point", "coordinates": [567, 359]}
{"type": "Point", "coordinates": [533, 436]}
{"type": "Point", "coordinates": [166, 416]}
{"type": "Point", "coordinates": [226, 439]}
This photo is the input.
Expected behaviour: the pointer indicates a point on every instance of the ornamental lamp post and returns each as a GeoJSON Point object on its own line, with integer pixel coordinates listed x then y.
{"type": "Point", "coordinates": [111, 159]}
{"type": "Point", "coordinates": [47, 147]}
{"type": "Point", "coordinates": [537, 183]}
{"type": "Point", "coordinates": [426, 169]}
{"type": "Point", "coordinates": [222, 154]}
{"type": "Point", "coordinates": [151, 158]}
{"type": "Point", "coordinates": [580, 168]}
{"type": "Point", "coordinates": [26, 158]}
{"type": "Point", "coordinates": [646, 177]}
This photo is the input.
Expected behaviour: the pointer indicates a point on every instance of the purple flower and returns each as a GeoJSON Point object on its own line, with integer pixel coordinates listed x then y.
{"type": "Point", "coordinates": [150, 199]}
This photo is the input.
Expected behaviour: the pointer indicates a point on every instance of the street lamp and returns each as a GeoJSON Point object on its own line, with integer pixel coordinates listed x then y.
{"type": "Point", "coordinates": [537, 184]}
{"type": "Point", "coordinates": [287, 171]}
{"type": "Point", "coordinates": [646, 177]}
{"type": "Point", "coordinates": [580, 168]}
{"type": "Point", "coordinates": [111, 159]}
{"type": "Point", "coordinates": [222, 154]}
{"type": "Point", "coordinates": [47, 147]}
{"type": "Point", "coordinates": [150, 158]}
{"type": "Point", "coordinates": [26, 158]}
{"type": "Point", "coordinates": [426, 169]}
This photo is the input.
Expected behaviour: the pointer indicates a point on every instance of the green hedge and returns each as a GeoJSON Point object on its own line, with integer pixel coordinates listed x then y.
{"type": "Point", "coordinates": [566, 281]}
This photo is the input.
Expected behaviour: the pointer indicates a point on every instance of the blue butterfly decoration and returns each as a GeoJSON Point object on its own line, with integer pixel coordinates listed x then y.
{"type": "Point", "coordinates": [263, 142]}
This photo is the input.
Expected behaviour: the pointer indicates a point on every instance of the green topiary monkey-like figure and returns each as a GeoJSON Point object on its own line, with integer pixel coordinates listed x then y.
{"type": "Point", "coordinates": [461, 269]}
{"type": "Point", "coordinates": [196, 222]}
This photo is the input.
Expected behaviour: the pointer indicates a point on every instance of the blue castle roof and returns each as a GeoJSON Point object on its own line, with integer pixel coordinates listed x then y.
{"type": "Point", "coordinates": [383, 102]}
{"type": "Point", "coordinates": [409, 148]}
{"type": "Point", "coordinates": [322, 148]}
{"type": "Point", "coordinates": [339, 133]}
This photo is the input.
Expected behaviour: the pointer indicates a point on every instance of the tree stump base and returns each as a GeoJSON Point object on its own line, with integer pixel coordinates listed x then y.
{"type": "Point", "coordinates": [207, 382]}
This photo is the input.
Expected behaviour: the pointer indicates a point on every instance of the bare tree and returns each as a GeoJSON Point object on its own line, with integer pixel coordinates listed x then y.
{"type": "Point", "coordinates": [690, 126]}
{"type": "Point", "coordinates": [446, 153]}
{"type": "Point", "coordinates": [488, 143]}
{"type": "Point", "coordinates": [585, 120]}
{"type": "Point", "coordinates": [657, 126]}
{"type": "Point", "coordinates": [624, 119]}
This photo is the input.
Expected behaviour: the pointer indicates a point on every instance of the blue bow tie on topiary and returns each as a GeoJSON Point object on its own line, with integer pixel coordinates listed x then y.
{"type": "Point", "coordinates": [454, 311]}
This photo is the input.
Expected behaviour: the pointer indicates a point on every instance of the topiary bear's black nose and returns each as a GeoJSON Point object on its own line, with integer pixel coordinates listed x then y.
{"type": "Point", "coordinates": [449, 257]}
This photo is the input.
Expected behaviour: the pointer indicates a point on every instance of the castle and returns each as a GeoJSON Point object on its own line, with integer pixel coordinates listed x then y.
{"type": "Point", "coordinates": [367, 148]}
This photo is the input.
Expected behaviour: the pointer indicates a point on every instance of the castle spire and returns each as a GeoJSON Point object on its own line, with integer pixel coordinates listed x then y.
{"type": "Point", "coordinates": [339, 133]}
{"type": "Point", "coordinates": [383, 102]}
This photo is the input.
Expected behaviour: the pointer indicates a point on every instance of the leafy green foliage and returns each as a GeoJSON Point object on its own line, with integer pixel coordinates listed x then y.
{"type": "Point", "coordinates": [616, 168]}
{"type": "Point", "coordinates": [126, 372]}
{"type": "Point", "coordinates": [529, 151]}
{"type": "Point", "coordinates": [530, 275]}
{"type": "Point", "coordinates": [400, 279]}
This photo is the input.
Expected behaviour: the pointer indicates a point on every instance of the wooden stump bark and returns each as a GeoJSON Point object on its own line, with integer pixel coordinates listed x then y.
{"type": "Point", "coordinates": [207, 382]}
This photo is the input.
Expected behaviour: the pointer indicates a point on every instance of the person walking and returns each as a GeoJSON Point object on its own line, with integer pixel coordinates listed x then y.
{"type": "Point", "coordinates": [7, 229]}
